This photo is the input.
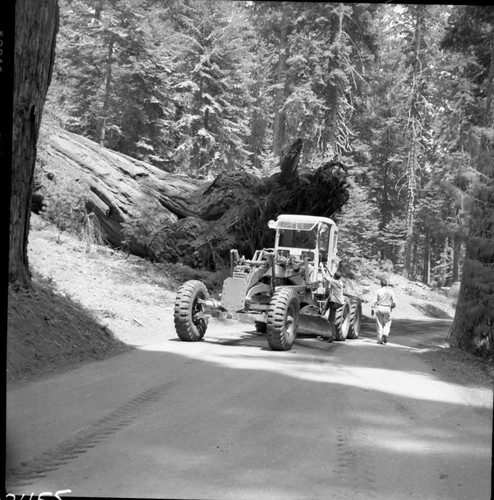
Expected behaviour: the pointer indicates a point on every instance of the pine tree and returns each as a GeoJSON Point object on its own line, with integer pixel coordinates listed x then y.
{"type": "Point", "coordinates": [110, 79]}
{"type": "Point", "coordinates": [396, 121]}
{"type": "Point", "coordinates": [318, 54]}
{"type": "Point", "coordinates": [380, 125]}
{"type": "Point", "coordinates": [212, 76]}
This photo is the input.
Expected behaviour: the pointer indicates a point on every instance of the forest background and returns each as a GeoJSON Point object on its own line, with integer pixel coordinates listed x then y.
{"type": "Point", "coordinates": [400, 94]}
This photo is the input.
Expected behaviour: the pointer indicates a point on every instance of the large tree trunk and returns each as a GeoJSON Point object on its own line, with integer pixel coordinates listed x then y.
{"type": "Point", "coordinates": [108, 85]}
{"type": "Point", "coordinates": [426, 273]}
{"type": "Point", "coordinates": [473, 326]}
{"type": "Point", "coordinates": [456, 258]}
{"type": "Point", "coordinates": [36, 25]}
{"type": "Point", "coordinates": [334, 91]}
{"type": "Point", "coordinates": [415, 127]}
{"type": "Point", "coordinates": [179, 219]}
{"type": "Point", "coordinates": [279, 125]}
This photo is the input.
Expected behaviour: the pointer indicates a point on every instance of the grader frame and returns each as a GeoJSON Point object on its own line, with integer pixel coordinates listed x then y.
{"type": "Point", "coordinates": [284, 289]}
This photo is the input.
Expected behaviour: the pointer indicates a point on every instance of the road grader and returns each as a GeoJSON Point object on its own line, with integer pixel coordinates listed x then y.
{"type": "Point", "coordinates": [285, 290]}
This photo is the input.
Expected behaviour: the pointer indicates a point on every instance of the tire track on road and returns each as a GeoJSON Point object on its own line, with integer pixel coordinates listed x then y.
{"type": "Point", "coordinates": [85, 439]}
{"type": "Point", "coordinates": [428, 447]}
{"type": "Point", "coordinates": [354, 463]}
{"type": "Point", "coordinates": [353, 471]}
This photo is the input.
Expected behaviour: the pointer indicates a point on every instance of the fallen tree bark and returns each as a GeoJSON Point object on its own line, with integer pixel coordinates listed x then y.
{"type": "Point", "coordinates": [176, 218]}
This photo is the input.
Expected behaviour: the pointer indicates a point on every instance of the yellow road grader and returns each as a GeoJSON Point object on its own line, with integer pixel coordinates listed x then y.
{"type": "Point", "coordinates": [285, 290]}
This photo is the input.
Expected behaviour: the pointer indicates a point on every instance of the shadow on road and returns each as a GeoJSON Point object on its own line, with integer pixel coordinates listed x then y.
{"type": "Point", "coordinates": [229, 418]}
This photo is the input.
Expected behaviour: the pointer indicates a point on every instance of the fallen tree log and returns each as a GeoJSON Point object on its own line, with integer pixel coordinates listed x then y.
{"type": "Point", "coordinates": [176, 218]}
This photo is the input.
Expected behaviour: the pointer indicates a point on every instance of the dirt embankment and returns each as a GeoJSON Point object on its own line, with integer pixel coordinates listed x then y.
{"type": "Point", "coordinates": [89, 303]}
{"type": "Point", "coordinates": [86, 304]}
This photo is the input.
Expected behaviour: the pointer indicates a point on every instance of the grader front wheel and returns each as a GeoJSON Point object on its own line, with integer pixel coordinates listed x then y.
{"type": "Point", "coordinates": [190, 322]}
{"type": "Point", "coordinates": [283, 317]}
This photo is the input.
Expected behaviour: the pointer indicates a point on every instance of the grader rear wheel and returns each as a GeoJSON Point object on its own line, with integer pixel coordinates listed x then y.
{"type": "Point", "coordinates": [283, 317]}
{"type": "Point", "coordinates": [342, 321]}
{"type": "Point", "coordinates": [355, 318]}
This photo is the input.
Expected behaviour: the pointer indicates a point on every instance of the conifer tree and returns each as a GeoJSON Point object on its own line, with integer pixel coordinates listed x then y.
{"type": "Point", "coordinates": [212, 76]}
{"type": "Point", "coordinates": [396, 123]}
{"type": "Point", "coordinates": [314, 51]}
{"type": "Point", "coordinates": [107, 81]}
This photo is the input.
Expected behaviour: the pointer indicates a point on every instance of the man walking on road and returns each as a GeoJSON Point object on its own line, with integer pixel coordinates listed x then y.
{"type": "Point", "coordinates": [383, 303]}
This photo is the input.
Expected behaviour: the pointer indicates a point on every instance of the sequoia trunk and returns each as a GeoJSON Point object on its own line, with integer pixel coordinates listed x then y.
{"type": "Point", "coordinates": [36, 25]}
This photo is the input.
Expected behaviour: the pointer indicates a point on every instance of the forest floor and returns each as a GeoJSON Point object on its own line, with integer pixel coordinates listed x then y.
{"type": "Point", "coordinates": [91, 302]}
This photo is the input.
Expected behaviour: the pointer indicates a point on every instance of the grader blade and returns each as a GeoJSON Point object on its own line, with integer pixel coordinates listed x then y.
{"type": "Point", "coordinates": [315, 325]}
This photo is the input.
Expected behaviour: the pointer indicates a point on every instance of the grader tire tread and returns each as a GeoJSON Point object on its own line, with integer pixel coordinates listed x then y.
{"type": "Point", "coordinates": [342, 321]}
{"type": "Point", "coordinates": [188, 327]}
{"type": "Point", "coordinates": [355, 318]}
{"type": "Point", "coordinates": [281, 335]}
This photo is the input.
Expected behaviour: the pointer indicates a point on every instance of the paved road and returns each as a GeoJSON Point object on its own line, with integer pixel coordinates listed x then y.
{"type": "Point", "coordinates": [227, 418]}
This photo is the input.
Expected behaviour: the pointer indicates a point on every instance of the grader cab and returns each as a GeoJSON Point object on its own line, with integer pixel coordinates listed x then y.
{"type": "Point", "coordinates": [284, 289]}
